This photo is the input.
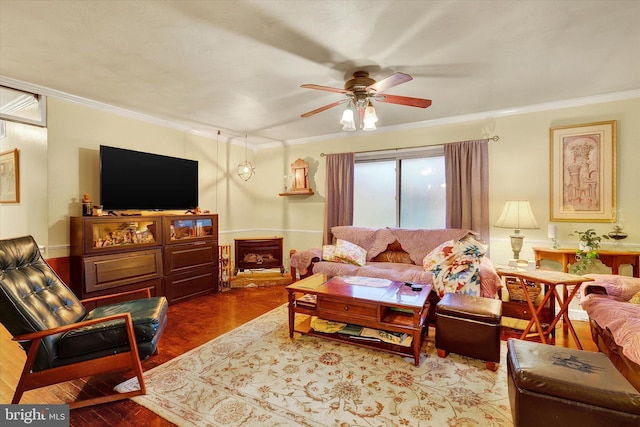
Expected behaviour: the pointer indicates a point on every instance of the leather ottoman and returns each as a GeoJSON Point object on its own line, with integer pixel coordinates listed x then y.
{"type": "Point", "coordinates": [469, 326]}
{"type": "Point", "coordinates": [554, 386]}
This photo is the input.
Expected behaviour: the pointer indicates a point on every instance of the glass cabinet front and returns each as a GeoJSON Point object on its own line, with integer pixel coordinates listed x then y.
{"type": "Point", "coordinates": [123, 233]}
{"type": "Point", "coordinates": [118, 233]}
{"type": "Point", "coordinates": [189, 227]}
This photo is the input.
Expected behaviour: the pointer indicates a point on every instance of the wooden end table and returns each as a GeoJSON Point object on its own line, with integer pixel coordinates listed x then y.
{"type": "Point", "coordinates": [550, 280]}
{"type": "Point", "coordinates": [395, 307]}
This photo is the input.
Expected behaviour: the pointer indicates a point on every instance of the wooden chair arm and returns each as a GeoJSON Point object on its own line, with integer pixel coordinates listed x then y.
{"type": "Point", "coordinates": [41, 334]}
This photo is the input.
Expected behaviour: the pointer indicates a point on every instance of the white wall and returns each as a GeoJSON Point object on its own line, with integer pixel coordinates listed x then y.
{"type": "Point", "coordinates": [27, 216]}
{"type": "Point", "coordinates": [75, 134]}
{"type": "Point", "coordinates": [519, 167]}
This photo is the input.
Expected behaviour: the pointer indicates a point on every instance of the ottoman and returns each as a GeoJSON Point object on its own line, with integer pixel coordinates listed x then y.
{"type": "Point", "coordinates": [469, 326]}
{"type": "Point", "coordinates": [554, 386]}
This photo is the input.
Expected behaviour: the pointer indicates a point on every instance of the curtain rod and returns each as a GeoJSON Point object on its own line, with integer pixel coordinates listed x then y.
{"type": "Point", "coordinates": [493, 138]}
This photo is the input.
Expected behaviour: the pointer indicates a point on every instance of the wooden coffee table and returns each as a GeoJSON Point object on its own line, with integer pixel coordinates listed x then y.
{"type": "Point", "coordinates": [395, 308]}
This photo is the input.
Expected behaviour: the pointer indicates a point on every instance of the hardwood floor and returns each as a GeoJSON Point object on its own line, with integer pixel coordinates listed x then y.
{"type": "Point", "coordinates": [191, 323]}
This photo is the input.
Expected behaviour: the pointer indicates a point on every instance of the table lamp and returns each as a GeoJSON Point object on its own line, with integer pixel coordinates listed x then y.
{"type": "Point", "coordinates": [517, 214]}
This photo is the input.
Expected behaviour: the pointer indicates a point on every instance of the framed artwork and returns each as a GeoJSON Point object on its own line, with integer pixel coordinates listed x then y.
{"type": "Point", "coordinates": [9, 177]}
{"type": "Point", "coordinates": [583, 172]}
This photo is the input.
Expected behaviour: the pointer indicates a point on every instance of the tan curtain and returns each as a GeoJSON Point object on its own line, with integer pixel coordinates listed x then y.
{"type": "Point", "coordinates": [339, 205]}
{"type": "Point", "coordinates": [467, 180]}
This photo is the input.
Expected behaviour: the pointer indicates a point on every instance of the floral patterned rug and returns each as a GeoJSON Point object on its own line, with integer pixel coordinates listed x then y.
{"type": "Point", "coordinates": [256, 376]}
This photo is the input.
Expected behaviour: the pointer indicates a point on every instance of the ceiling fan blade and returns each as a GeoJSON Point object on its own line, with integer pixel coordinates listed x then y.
{"type": "Point", "coordinates": [393, 80]}
{"type": "Point", "coordinates": [321, 109]}
{"type": "Point", "coordinates": [326, 88]}
{"type": "Point", "coordinates": [403, 100]}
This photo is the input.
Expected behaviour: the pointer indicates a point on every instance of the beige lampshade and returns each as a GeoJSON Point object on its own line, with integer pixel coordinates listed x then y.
{"type": "Point", "coordinates": [517, 214]}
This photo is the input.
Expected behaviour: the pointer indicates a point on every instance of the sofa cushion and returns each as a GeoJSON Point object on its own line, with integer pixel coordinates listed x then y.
{"type": "Point", "coordinates": [373, 240]}
{"type": "Point", "coordinates": [350, 253]}
{"type": "Point", "coordinates": [610, 307]}
{"type": "Point", "coordinates": [635, 299]}
{"type": "Point", "coordinates": [418, 243]}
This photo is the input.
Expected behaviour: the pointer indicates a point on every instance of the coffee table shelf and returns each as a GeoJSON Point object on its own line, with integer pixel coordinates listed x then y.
{"type": "Point", "coordinates": [393, 307]}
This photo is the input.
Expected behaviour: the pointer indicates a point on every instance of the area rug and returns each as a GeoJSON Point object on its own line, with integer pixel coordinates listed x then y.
{"type": "Point", "coordinates": [256, 376]}
{"type": "Point", "coordinates": [251, 278]}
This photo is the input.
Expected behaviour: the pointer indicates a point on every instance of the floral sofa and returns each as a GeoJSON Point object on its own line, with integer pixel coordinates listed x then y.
{"type": "Point", "coordinates": [613, 305]}
{"type": "Point", "coordinates": [449, 259]}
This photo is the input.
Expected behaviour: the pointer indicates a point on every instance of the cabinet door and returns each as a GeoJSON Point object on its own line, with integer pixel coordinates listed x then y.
{"type": "Point", "coordinates": [194, 282]}
{"type": "Point", "coordinates": [180, 229]}
{"type": "Point", "coordinates": [112, 271]}
{"type": "Point", "coordinates": [102, 235]}
{"type": "Point", "coordinates": [180, 258]}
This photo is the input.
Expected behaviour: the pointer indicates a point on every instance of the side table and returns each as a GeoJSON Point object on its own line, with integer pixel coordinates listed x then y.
{"type": "Point", "coordinates": [550, 280]}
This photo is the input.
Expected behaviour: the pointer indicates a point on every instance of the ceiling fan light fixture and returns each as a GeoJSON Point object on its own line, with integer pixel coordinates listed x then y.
{"type": "Point", "coordinates": [370, 118]}
{"type": "Point", "coordinates": [348, 123]}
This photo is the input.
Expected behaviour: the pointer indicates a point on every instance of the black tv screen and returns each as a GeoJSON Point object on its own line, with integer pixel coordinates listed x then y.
{"type": "Point", "coordinates": [133, 180]}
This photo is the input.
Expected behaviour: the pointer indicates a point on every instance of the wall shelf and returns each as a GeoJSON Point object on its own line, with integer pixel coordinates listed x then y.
{"type": "Point", "coordinates": [306, 192]}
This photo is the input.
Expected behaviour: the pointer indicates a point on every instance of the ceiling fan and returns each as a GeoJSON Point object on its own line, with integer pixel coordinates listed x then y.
{"type": "Point", "coordinates": [360, 90]}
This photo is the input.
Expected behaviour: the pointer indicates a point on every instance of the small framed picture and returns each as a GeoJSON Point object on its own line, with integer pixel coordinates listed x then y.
{"type": "Point", "coordinates": [583, 172]}
{"type": "Point", "coordinates": [9, 177]}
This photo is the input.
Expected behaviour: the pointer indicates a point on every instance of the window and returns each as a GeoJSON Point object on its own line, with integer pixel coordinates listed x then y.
{"type": "Point", "coordinates": [400, 188]}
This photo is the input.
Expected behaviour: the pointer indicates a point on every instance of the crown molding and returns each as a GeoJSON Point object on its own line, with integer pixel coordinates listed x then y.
{"type": "Point", "coordinates": [212, 133]}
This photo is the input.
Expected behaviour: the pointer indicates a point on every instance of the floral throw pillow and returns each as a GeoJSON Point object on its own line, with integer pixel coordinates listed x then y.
{"type": "Point", "coordinates": [328, 253]}
{"type": "Point", "coordinates": [350, 253]}
{"type": "Point", "coordinates": [455, 266]}
{"type": "Point", "coordinates": [635, 299]}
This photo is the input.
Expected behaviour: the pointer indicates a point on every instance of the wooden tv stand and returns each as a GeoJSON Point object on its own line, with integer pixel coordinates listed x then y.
{"type": "Point", "coordinates": [394, 308]}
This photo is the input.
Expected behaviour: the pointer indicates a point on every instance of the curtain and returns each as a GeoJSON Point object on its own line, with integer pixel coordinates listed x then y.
{"type": "Point", "coordinates": [467, 181]}
{"type": "Point", "coordinates": [339, 205]}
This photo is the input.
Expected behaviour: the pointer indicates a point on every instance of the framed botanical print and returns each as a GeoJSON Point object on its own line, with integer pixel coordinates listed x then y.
{"type": "Point", "coordinates": [583, 172]}
{"type": "Point", "coordinates": [9, 177]}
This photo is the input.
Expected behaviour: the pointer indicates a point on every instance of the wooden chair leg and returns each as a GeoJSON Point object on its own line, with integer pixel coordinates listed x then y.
{"type": "Point", "coordinates": [442, 353]}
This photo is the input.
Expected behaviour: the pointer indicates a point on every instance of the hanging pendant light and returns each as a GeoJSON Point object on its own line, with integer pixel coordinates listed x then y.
{"type": "Point", "coordinates": [246, 169]}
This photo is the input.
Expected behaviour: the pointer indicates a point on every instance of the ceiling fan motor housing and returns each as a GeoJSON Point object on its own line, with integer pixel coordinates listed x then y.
{"type": "Point", "coordinates": [359, 82]}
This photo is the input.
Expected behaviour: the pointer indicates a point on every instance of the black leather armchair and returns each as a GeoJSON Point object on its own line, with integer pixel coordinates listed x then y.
{"type": "Point", "coordinates": [63, 340]}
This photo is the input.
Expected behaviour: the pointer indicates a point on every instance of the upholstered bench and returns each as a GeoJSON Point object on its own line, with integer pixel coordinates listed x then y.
{"type": "Point", "coordinates": [555, 386]}
{"type": "Point", "coordinates": [469, 326]}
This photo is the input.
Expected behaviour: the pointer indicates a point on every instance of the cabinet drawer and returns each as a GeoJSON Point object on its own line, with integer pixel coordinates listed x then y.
{"type": "Point", "coordinates": [520, 310]}
{"type": "Point", "coordinates": [110, 271]}
{"type": "Point", "coordinates": [357, 309]}
{"type": "Point", "coordinates": [179, 258]}
{"type": "Point", "coordinates": [192, 283]}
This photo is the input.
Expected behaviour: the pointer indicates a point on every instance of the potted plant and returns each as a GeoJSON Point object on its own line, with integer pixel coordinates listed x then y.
{"type": "Point", "coordinates": [588, 246]}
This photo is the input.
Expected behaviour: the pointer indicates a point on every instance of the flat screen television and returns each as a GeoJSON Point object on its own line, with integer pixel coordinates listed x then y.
{"type": "Point", "coordinates": [133, 180]}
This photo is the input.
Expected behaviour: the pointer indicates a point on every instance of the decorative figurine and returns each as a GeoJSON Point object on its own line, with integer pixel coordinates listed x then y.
{"type": "Point", "coordinates": [87, 209]}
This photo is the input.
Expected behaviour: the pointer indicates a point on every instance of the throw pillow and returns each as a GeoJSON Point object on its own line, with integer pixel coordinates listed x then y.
{"type": "Point", "coordinates": [350, 253]}
{"type": "Point", "coordinates": [329, 253]}
{"type": "Point", "coordinates": [438, 255]}
{"type": "Point", "coordinates": [635, 299]}
{"type": "Point", "coordinates": [455, 266]}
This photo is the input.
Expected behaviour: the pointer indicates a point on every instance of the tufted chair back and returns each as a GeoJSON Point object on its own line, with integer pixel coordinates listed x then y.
{"type": "Point", "coordinates": [33, 297]}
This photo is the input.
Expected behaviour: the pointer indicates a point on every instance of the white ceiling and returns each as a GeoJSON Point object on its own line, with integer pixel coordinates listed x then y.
{"type": "Point", "coordinates": [237, 66]}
